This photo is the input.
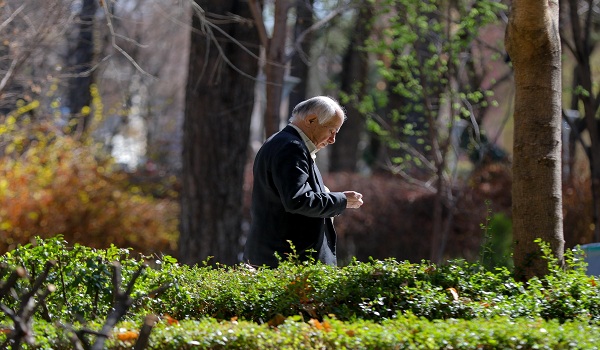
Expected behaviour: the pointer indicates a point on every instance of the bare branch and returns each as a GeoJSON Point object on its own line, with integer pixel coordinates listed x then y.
{"type": "Point", "coordinates": [18, 273]}
{"type": "Point", "coordinates": [207, 30]}
{"type": "Point", "coordinates": [9, 73]}
{"type": "Point", "coordinates": [397, 170]}
{"type": "Point", "coordinates": [316, 26]}
{"type": "Point", "coordinates": [411, 150]}
{"type": "Point", "coordinates": [87, 72]}
{"type": "Point", "coordinates": [259, 22]}
{"type": "Point", "coordinates": [23, 317]}
{"type": "Point", "coordinates": [149, 323]}
{"type": "Point", "coordinates": [12, 17]}
{"type": "Point", "coordinates": [37, 284]}
{"type": "Point", "coordinates": [117, 47]}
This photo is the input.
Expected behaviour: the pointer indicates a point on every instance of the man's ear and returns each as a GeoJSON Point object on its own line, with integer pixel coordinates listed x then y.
{"type": "Point", "coordinates": [312, 118]}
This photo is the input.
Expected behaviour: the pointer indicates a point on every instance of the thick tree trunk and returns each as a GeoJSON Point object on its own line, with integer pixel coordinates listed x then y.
{"type": "Point", "coordinates": [218, 109]}
{"type": "Point", "coordinates": [533, 43]}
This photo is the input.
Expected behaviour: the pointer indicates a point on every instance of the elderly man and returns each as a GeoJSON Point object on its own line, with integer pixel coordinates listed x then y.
{"type": "Point", "coordinates": [290, 203]}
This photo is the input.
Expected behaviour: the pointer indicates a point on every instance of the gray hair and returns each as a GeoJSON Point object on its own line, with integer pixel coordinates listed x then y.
{"type": "Point", "coordinates": [324, 107]}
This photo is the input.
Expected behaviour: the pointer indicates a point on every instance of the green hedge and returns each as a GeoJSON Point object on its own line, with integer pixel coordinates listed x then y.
{"type": "Point", "coordinates": [404, 332]}
{"type": "Point", "coordinates": [375, 304]}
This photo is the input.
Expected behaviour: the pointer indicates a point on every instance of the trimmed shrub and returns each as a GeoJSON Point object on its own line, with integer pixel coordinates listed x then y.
{"type": "Point", "coordinates": [365, 305]}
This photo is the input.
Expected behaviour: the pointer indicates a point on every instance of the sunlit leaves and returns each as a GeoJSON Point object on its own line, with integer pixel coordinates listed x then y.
{"type": "Point", "coordinates": [423, 51]}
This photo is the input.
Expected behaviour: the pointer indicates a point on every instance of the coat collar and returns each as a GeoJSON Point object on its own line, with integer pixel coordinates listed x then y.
{"type": "Point", "coordinates": [312, 149]}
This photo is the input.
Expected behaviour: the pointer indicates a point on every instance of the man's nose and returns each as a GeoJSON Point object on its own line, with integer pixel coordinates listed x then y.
{"type": "Point", "coordinates": [332, 139]}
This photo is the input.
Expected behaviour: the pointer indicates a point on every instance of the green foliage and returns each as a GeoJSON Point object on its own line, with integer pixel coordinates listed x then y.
{"type": "Point", "coordinates": [427, 57]}
{"type": "Point", "coordinates": [82, 276]}
{"type": "Point", "coordinates": [375, 304]}
{"type": "Point", "coordinates": [405, 332]}
{"type": "Point", "coordinates": [497, 246]}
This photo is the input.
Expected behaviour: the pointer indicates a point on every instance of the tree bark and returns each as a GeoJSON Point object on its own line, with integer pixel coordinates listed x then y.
{"type": "Point", "coordinates": [533, 43]}
{"type": "Point", "coordinates": [219, 101]}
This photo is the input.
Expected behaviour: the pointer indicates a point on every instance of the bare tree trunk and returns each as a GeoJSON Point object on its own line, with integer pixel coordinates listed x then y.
{"type": "Point", "coordinates": [533, 43]}
{"type": "Point", "coordinates": [436, 252]}
{"type": "Point", "coordinates": [594, 154]}
{"type": "Point", "coordinates": [590, 107]}
{"type": "Point", "coordinates": [344, 155]}
{"type": "Point", "coordinates": [582, 47]}
{"type": "Point", "coordinates": [276, 56]}
{"type": "Point", "coordinates": [80, 60]}
{"type": "Point", "coordinates": [299, 68]}
{"type": "Point", "coordinates": [275, 67]}
{"type": "Point", "coordinates": [219, 101]}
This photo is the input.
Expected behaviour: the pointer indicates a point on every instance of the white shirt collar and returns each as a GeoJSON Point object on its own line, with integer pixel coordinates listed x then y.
{"type": "Point", "coordinates": [309, 144]}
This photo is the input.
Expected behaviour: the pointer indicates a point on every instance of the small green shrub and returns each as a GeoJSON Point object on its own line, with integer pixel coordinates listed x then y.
{"type": "Point", "coordinates": [82, 276]}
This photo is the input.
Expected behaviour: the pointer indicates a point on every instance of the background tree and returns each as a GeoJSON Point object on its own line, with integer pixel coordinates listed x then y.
{"type": "Point", "coordinates": [275, 58]}
{"type": "Point", "coordinates": [533, 43]}
{"type": "Point", "coordinates": [220, 94]}
{"type": "Point", "coordinates": [278, 53]}
{"type": "Point", "coordinates": [31, 32]}
{"type": "Point", "coordinates": [141, 74]}
{"type": "Point", "coordinates": [354, 80]}
{"type": "Point", "coordinates": [425, 50]}
{"type": "Point", "coordinates": [303, 38]}
{"type": "Point", "coordinates": [137, 111]}
{"type": "Point", "coordinates": [81, 60]}
{"type": "Point", "coordinates": [580, 27]}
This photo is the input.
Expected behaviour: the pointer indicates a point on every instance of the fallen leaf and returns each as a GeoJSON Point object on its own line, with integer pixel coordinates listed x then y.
{"type": "Point", "coordinates": [276, 320]}
{"type": "Point", "coordinates": [170, 320]}
{"type": "Point", "coordinates": [126, 336]}
{"type": "Point", "coordinates": [315, 323]}
{"type": "Point", "coordinates": [454, 293]}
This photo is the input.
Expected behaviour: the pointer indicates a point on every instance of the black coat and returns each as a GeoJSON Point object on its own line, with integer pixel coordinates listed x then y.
{"type": "Point", "coordinates": [290, 203]}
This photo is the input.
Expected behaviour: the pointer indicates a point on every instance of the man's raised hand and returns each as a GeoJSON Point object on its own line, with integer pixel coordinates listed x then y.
{"type": "Point", "coordinates": [354, 199]}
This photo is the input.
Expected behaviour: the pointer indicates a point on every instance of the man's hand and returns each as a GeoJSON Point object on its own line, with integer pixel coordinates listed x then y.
{"type": "Point", "coordinates": [354, 199]}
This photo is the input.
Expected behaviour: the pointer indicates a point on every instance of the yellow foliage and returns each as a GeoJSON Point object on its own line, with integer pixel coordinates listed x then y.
{"type": "Point", "coordinates": [24, 108]}
{"type": "Point", "coordinates": [54, 184]}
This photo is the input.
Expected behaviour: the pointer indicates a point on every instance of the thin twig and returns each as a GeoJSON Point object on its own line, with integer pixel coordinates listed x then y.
{"type": "Point", "coordinates": [114, 44]}
{"type": "Point", "coordinates": [11, 17]}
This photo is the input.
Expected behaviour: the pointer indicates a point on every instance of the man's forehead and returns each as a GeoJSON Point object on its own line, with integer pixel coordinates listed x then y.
{"type": "Point", "coordinates": [336, 121]}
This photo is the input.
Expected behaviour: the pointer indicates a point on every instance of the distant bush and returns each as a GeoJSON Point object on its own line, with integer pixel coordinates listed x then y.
{"type": "Point", "coordinates": [51, 183]}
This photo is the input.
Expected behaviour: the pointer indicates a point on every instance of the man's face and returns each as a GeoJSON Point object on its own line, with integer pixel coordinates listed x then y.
{"type": "Point", "coordinates": [323, 135]}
